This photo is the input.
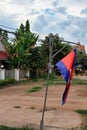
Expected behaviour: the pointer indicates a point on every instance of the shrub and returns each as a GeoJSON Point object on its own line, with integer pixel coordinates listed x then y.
{"type": "Point", "coordinates": [4, 83]}
{"type": "Point", "coordinates": [34, 89]}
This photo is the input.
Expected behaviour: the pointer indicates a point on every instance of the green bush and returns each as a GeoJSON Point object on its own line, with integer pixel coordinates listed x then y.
{"type": "Point", "coordinates": [4, 83]}
{"type": "Point", "coordinates": [84, 115]}
{"type": "Point", "coordinates": [34, 89]}
{"type": "Point", "coordinates": [82, 112]}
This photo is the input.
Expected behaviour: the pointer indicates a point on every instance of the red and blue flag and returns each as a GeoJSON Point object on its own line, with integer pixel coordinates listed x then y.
{"type": "Point", "coordinates": [66, 67]}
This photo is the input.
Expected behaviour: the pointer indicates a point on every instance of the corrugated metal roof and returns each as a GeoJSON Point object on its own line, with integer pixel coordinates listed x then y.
{"type": "Point", "coordinates": [3, 55]}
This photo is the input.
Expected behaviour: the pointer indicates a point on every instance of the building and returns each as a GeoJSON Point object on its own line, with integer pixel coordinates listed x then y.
{"type": "Point", "coordinates": [3, 55]}
{"type": "Point", "coordinates": [80, 47]}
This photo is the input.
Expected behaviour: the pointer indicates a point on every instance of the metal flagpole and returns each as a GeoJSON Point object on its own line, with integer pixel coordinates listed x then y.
{"type": "Point", "coordinates": [44, 107]}
{"type": "Point", "coordinates": [49, 72]}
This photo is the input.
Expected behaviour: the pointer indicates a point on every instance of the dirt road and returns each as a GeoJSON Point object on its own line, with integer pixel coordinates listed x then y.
{"type": "Point", "coordinates": [19, 108]}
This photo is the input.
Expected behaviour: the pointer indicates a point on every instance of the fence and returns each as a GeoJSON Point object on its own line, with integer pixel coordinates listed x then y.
{"type": "Point", "coordinates": [16, 74]}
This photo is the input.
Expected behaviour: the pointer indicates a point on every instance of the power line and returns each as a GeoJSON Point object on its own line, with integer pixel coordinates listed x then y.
{"type": "Point", "coordinates": [16, 30]}
{"type": "Point", "coordinates": [69, 42]}
{"type": "Point", "coordinates": [11, 32]}
{"type": "Point", "coordinates": [8, 27]}
{"type": "Point", "coordinates": [7, 31]}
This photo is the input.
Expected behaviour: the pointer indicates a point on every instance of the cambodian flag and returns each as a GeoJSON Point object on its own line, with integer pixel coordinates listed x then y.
{"type": "Point", "coordinates": [66, 67]}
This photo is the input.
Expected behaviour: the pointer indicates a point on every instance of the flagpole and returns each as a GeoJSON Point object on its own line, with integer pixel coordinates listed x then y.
{"type": "Point", "coordinates": [49, 72]}
{"type": "Point", "coordinates": [44, 107]}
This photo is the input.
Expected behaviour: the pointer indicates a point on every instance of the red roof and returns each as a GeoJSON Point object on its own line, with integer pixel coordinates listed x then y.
{"type": "Point", "coordinates": [80, 47]}
{"type": "Point", "coordinates": [3, 55]}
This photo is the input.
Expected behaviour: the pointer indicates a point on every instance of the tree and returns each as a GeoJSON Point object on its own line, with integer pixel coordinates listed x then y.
{"type": "Point", "coordinates": [57, 45]}
{"type": "Point", "coordinates": [81, 62]}
{"type": "Point", "coordinates": [23, 52]}
{"type": "Point", "coordinates": [20, 51]}
{"type": "Point", "coordinates": [84, 61]}
{"type": "Point", "coordinates": [4, 38]}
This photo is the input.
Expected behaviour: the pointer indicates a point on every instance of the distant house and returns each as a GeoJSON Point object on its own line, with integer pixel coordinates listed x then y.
{"type": "Point", "coordinates": [3, 55]}
{"type": "Point", "coordinates": [80, 47]}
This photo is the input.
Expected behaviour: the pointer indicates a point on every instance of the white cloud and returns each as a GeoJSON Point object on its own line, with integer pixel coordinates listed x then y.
{"type": "Point", "coordinates": [66, 17]}
{"type": "Point", "coordinates": [74, 6]}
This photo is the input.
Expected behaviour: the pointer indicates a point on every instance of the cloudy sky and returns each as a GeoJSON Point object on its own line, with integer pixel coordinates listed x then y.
{"type": "Point", "coordinates": [68, 18]}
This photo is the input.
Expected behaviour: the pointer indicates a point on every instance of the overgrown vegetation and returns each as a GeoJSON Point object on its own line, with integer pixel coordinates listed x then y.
{"type": "Point", "coordinates": [54, 80]}
{"type": "Point", "coordinates": [83, 112]}
{"type": "Point", "coordinates": [60, 80]}
{"type": "Point", "coordinates": [79, 81]}
{"type": "Point", "coordinates": [13, 128]}
{"type": "Point", "coordinates": [34, 89]}
{"type": "Point", "coordinates": [4, 83]}
{"type": "Point", "coordinates": [84, 115]}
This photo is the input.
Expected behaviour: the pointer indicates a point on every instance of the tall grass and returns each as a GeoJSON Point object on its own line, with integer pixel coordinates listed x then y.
{"type": "Point", "coordinates": [84, 115]}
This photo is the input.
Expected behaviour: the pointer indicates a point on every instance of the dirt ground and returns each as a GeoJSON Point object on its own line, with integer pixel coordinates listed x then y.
{"type": "Point", "coordinates": [19, 108]}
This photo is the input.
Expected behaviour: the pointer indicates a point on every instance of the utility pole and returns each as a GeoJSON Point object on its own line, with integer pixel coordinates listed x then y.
{"type": "Point", "coordinates": [49, 72]}
{"type": "Point", "coordinates": [51, 40]}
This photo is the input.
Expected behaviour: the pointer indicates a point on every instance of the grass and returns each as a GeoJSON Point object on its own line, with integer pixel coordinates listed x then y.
{"type": "Point", "coordinates": [56, 81]}
{"type": "Point", "coordinates": [34, 89]}
{"type": "Point", "coordinates": [13, 128]}
{"type": "Point", "coordinates": [83, 112]}
{"type": "Point", "coordinates": [60, 80]}
{"type": "Point", "coordinates": [84, 116]}
{"type": "Point", "coordinates": [79, 81]}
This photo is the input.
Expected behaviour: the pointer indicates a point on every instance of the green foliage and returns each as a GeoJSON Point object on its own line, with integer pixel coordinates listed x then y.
{"type": "Point", "coordinates": [52, 76]}
{"type": "Point", "coordinates": [79, 81]}
{"type": "Point", "coordinates": [24, 53]}
{"type": "Point", "coordinates": [35, 63]}
{"type": "Point", "coordinates": [84, 61]}
{"type": "Point", "coordinates": [5, 38]}
{"type": "Point", "coordinates": [81, 60]}
{"type": "Point", "coordinates": [84, 115]}
{"type": "Point", "coordinates": [4, 83]}
{"type": "Point", "coordinates": [84, 128]}
{"type": "Point", "coordinates": [13, 128]}
{"type": "Point", "coordinates": [57, 45]}
{"type": "Point", "coordinates": [83, 112]}
{"type": "Point", "coordinates": [20, 52]}
{"type": "Point", "coordinates": [56, 80]}
{"type": "Point", "coordinates": [34, 89]}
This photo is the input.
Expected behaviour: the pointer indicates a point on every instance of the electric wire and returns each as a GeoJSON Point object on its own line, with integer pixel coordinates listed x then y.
{"type": "Point", "coordinates": [8, 27]}
{"type": "Point", "coordinates": [14, 33]}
